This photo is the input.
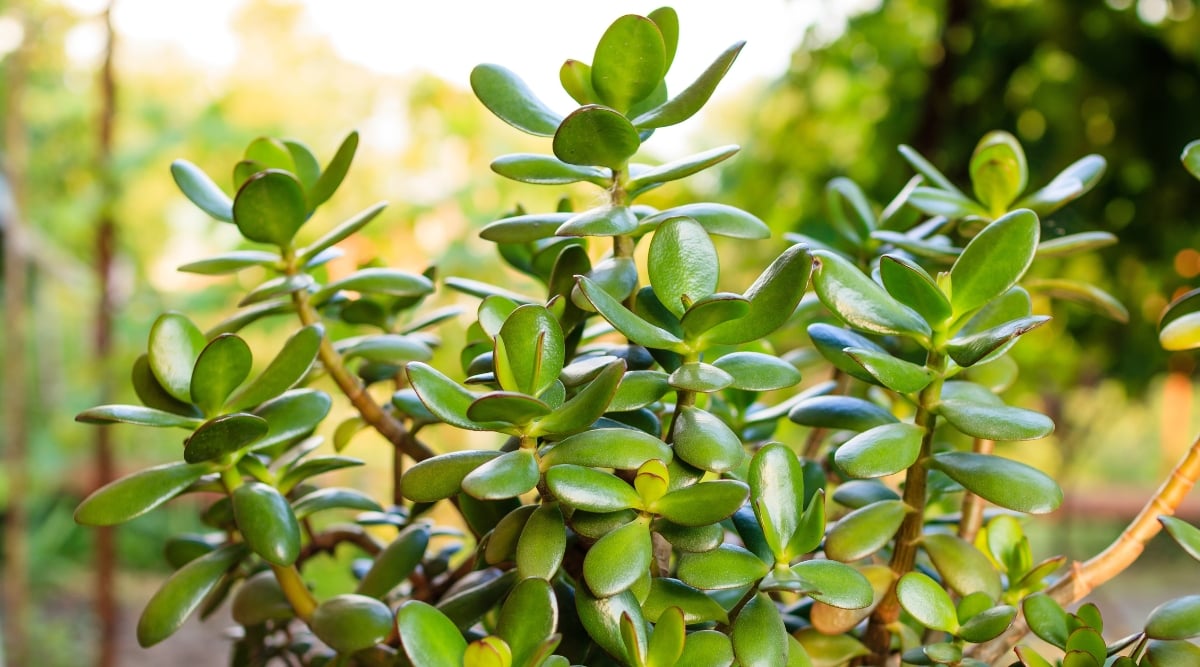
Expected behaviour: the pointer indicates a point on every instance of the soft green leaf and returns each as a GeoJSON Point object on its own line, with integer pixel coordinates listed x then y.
{"type": "Point", "coordinates": [691, 99]}
{"type": "Point", "coordinates": [831, 650]}
{"type": "Point", "coordinates": [398, 560]}
{"type": "Point", "coordinates": [998, 170]}
{"type": "Point", "coordinates": [223, 435]}
{"type": "Point", "coordinates": [546, 170]}
{"type": "Point", "coordinates": [759, 636]}
{"type": "Point", "coordinates": [832, 342]}
{"type": "Point", "coordinates": [925, 599]}
{"type": "Point", "coordinates": [706, 442]}
{"type": "Point", "coordinates": [1078, 178]}
{"type": "Point", "coordinates": [895, 374]}
{"type": "Point", "coordinates": [525, 228]}
{"type": "Point", "coordinates": [987, 625]}
{"type": "Point", "coordinates": [292, 415]}
{"type": "Point", "coordinates": [964, 568]}
{"type": "Point", "coordinates": [716, 219]}
{"type": "Point", "coordinates": [840, 412]}
{"type": "Point", "coordinates": [924, 168]}
{"type": "Point", "coordinates": [697, 607]}
{"type": "Point", "coordinates": [835, 584]}
{"type": "Point", "coordinates": [713, 311]}
{"type": "Point", "coordinates": [334, 498]}
{"type": "Point", "coordinates": [599, 221]}
{"type": "Point", "coordinates": [266, 521]}
{"type": "Point", "coordinates": [856, 226]}
{"type": "Point", "coordinates": [727, 566]}
{"type": "Point", "coordinates": [702, 504]}
{"type": "Point", "coordinates": [629, 62]}
{"type": "Point", "coordinates": [507, 96]}
{"type": "Point", "coordinates": [222, 365]}
{"type": "Point", "coordinates": [429, 638]}
{"type": "Point", "coordinates": [389, 349]}
{"type": "Point", "coordinates": [174, 345]}
{"type": "Point", "coordinates": [445, 397]}
{"type": "Point", "coordinates": [529, 350]}
{"type": "Point", "coordinates": [135, 414]}
{"type": "Point", "coordinates": [1047, 619]}
{"type": "Point", "coordinates": [1191, 158]}
{"type": "Point", "coordinates": [1005, 482]}
{"type": "Point", "coordinates": [1082, 293]}
{"type": "Point", "coordinates": [682, 264]}
{"type": "Point", "coordinates": [865, 531]}
{"type": "Point", "coordinates": [590, 489]}
{"type": "Point", "coordinates": [1171, 653]}
{"type": "Point", "coordinates": [134, 495]}
{"type": "Point", "coordinates": [697, 376]}
{"type": "Point", "coordinates": [201, 190]}
{"type": "Point", "coordinates": [601, 617]}
{"type": "Point", "coordinates": [620, 448]}
{"type": "Point", "coordinates": [350, 622]}
{"type": "Point", "coordinates": [543, 542]}
{"type": "Point", "coordinates": [777, 491]}
{"type": "Point", "coordinates": [390, 282]}
{"type": "Point", "coordinates": [681, 168]}
{"type": "Point", "coordinates": [183, 592]}
{"type": "Point", "coordinates": [995, 422]}
{"type": "Point", "coordinates": [260, 599]}
{"type": "Point", "coordinates": [912, 286]}
{"type": "Point", "coordinates": [504, 406]}
{"type": "Point", "coordinates": [618, 559]}
{"type": "Point", "coordinates": [1185, 534]}
{"type": "Point", "coordinates": [528, 618]}
{"type": "Point", "coordinates": [230, 262]}
{"type": "Point", "coordinates": [576, 79]}
{"type": "Point", "coordinates": [270, 207]}
{"type": "Point", "coordinates": [755, 371]}
{"type": "Point", "coordinates": [861, 302]}
{"type": "Point", "coordinates": [937, 248]}
{"type": "Point", "coordinates": [968, 350]}
{"type": "Point", "coordinates": [1175, 619]}
{"type": "Point", "coordinates": [341, 232]}
{"type": "Point", "coordinates": [952, 205]}
{"type": "Point", "coordinates": [276, 288]}
{"type": "Point", "coordinates": [706, 648]}
{"type": "Point", "coordinates": [595, 135]}
{"type": "Point", "coordinates": [633, 327]}
{"type": "Point", "coordinates": [773, 297]}
{"type": "Point", "coordinates": [506, 476]}
{"type": "Point", "coordinates": [1072, 244]}
{"type": "Point", "coordinates": [994, 260]}
{"type": "Point", "coordinates": [880, 451]}
{"type": "Point", "coordinates": [586, 406]}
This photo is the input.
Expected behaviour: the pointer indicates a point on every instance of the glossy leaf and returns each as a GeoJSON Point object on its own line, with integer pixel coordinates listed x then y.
{"type": "Point", "coordinates": [666, 593]}
{"type": "Point", "coordinates": [1078, 178]}
{"type": "Point", "coordinates": [995, 422]}
{"type": "Point", "coordinates": [528, 618]}
{"type": "Point", "coordinates": [620, 448]}
{"type": "Point", "coordinates": [174, 345]}
{"type": "Point", "coordinates": [1170, 653]}
{"type": "Point", "coordinates": [396, 562]}
{"type": "Point", "coordinates": [585, 407]}
{"type": "Point", "coordinates": [350, 623]}
{"type": "Point", "coordinates": [712, 311]}
{"type": "Point", "coordinates": [970, 349]}
{"type": "Point", "coordinates": [831, 342]}
{"type": "Point", "coordinates": [542, 543]}
{"type": "Point", "coordinates": [835, 584]}
{"type": "Point", "coordinates": [704, 441]}
{"type": "Point", "coordinates": [1005, 482]}
{"type": "Point", "coordinates": [755, 371]}
{"type": "Point", "coordinates": [1175, 619]}
{"type": "Point", "coordinates": [998, 170]}
{"type": "Point", "coordinates": [717, 219]}
{"type": "Point", "coordinates": [576, 79]}
{"type": "Point", "coordinates": [1072, 244]}
{"type": "Point", "coordinates": [831, 650]}
{"type": "Point", "coordinates": [861, 302]}
{"type": "Point", "coordinates": [773, 297]}
{"type": "Point", "coordinates": [1082, 293]}
{"type": "Point", "coordinates": [895, 374]}
{"type": "Point", "coordinates": [727, 566]}
{"type": "Point", "coordinates": [682, 264]}
{"type": "Point", "coordinates": [865, 531]}
{"type": "Point", "coordinates": [964, 568]}
{"type": "Point", "coordinates": [334, 498]}
{"type": "Point", "coordinates": [629, 62]}
{"type": "Point", "coordinates": [633, 327]}
{"type": "Point", "coordinates": [987, 625]}
{"type": "Point", "coordinates": [702, 504]}
{"type": "Point", "coordinates": [441, 476]}
{"type": "Point", "coordinates": [599, 221]}
{"type": "Point", "coordinates": [429, 638]}
{"type": "Point", "coordinates": [927, 602]}
{"type": "Point", "coordinates": [1047, 619]}
{"type": "Point", "coordinates": [525, 228]}
{"type": "Point", "coordinates": [223, 435]}
{"type": "Point", "coordinates": [994, 260]}
{"type": "Point", "coordinates": [691, 99]}
{"type": "Point", "coordinates": [706, 648]}
{"type": "Point", "coordinates": [183, 592]}
{"type": "Point", "coordinates": [545, 170]}
{"type": "Point", "coordinates": [777, 491]}
{"type": "Point", "coordinates": [590, 489]}
{"type": "Point", "coordinates": [134, 495]}
{"type": "Point", "coordinates": [601, 617]}
{"type": "Point", "coordinates": [270, 207]}
{"type": "Point", "coordinates": [201, 190]}
{"type": "Point", "coordinates": [230, 262]}
{"type": "Point", "coordinates": [135, 414]}
{"type": "Point", "coordinates": [445, 397]}
{"type": "Point", "coordinates": [292, 415]}
{"type": "Point", "coordinates": [1184, 534]}
{"type": "Point", "coordinates": [507, 96]}
{"type": "Point", "coordinates": [952, 205]}
{"type": "Point", "coordinates": [840, 412]}
{"type": "Point", "coordinates": [390, 282]}
{"type": "Point", "coordinates": [1191, 158]}
{"type": "Point", "coordinates": [617, 560]}
{"type": "Point", "coordinates": [759, 637]}
{"type": "Point", "coordinates": [681, 168]}
{"type": "Point", "coordinates": [266, 521]}
{"type": "Point", "coordinates": [596, 135]}
{"type": "Point", "coordinates": [1179, 327]}
{"type": "Point", "coordinates": [697, 376]}
{"type": "Point", "coordinates": [260, 599]}
{"type": "Point", "coordinates": [506, 476]}
{"type": "Point", "coordinates": [880, 451]}
{"type": "Point", "coordinates": [924, 168]}
{"type": "Point", "coordinates": [912, 286]}
{"type": "Point", "coordinates": [505, 406]}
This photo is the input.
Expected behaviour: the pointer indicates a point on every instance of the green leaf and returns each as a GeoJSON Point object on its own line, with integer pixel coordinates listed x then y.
{"type": "Point", "coordinates": [589, 489]}
{"type": "Point", "coordinates": [1078, 178]}
{"type": "Point", "coordinates": [716, 219]}
{"type": "Point", "coordinates": [883, 450]}
{"type": "Point", "coordinates": [390, 282]}
{"type": "Point", "coordinates": [995, 422]}
{"type": "Point", "coordinates": [994, 260]}
{"type": "Point", "coordinates": [394, 349]}
{"type": "Point", "coordinates": [1005, 482]}
{"type": "Point", "coordinates": [681, 168]}
{"type": "Point", "coordinates": [576, 79]}
{"type": "Point", "coordinates": [546, 170]}
{"type": "Point", "coordinates": [270, 207]}
{"type": "Point", "coordinates": [528, 618]}
{"type": "Point", "coordinates": [599, 221]}
{"type": "Point", "coordinates": [230, 262]}
{"type": "Point", "coordinates": [134, 495]}
{"type": "Point", "coordinates": [507, 476]}
{"type": "Point", "coordinates": [1047, 619]}
{"type": "Point", "coordinates": [342, 232]}
{"type": "Point", "coordinates": [840, 412]}
{"type": "Point", "coordinates": [334, 498]}
{"type": "Point", "coordinates": [858, 225]}
{"type": "Point", "coordinates": [617, 560]}
{"type": "Point", "coordinates": [304, 163]}
{"type": "Point", "coordinates": [445, 397]}
{"type": "Point", "coordinates": [970, 349]}
{"type": "Point", "coordinates": [1185, 534]}
{"type": "Point", "coordinates": [666, 644]}
{"type": "Point", "coordinates": [543, 542]}
{"type": "Point", "coordinates": [292, 415]}
{"type": "Point", "coordinates": [998, 170]}
{"type": "Point", "coordinates": [702, 504]}
{"type": "Point", "coordinates": [135, 414]}
{"type": "Point", "coordinates": [504, 406]}
{"type": "Point", "coordinates": [1082, 293]}
{"type": "Point", "coordinates": [964, 568]}
{"type": "Point", "coordinates": [698, 376]}
{"type": "Point", "coordinates": [987, 625]}
{"type": "Point", "coordinates": [755, 371]}
{"type": "Point", "coordinates": [1191, 158]}
{"type": "Point", "coordinates": [183, 592]}
{"type": "Point", "coordinates": [713, 311]}
{"type": "Point", "coordinates": [201, 190]}
{"type": "Point", "coordinates": [759, 636]}
{"type": "Point", "coordinates": [684, 105]}
{"type": "Point", "coordinates": [1072, 244]}
{"type": "Point", "coordinates": [349, 623]}
{"type": "Point", "coordinates": [829, 650]}
{"type": "Point", "coordinates": [895, 374]}
{"type": "Point", "coordinates": [952, 205]}
{"type": "Point", "coordinates": [832, 342]}
{"type": "Point", "coordinates": [529, 350]}
{"type": "Point", "coordinates": [937, 248]}
{"type": "Point", "coordinates": [682, 264]}
{"type": "Point", "coordinates": [174, 345]}
{"type": "Point", "coordinates": [507, 96]}
{"type": "Point", "coordinates": [430, 639]}
{"type": "Point", "coordinates": [924, 168]}
{"type": "Point", "coordinates": [706, 442]}
{"type": "Point", "coordinates": [666, 593]}
{"type": "Point", "coordinates": [777, 491]}
{"type": "Point", "coordinates": [221, 366]}
{"type": "Point", "coordinates": [596, 135]}
{"type": "Point", "coordinates": [1170, 653]}
{"type": "Point", "coordinates": [835, 584]}
{"type": "Point", "coordinates": [260, 599]}
{"type": "Point", "coordinates": [773, 297]}
{"type": "Point", "coordinates": [633, 327]}
{"type": "Point", "coordinates": [601, 617]}
{"type": "Point", "coordinates": [629, 62]}
{"type": "Point", "coordinates": [271, 153]}
{"type": "Point", "coordinates": [266, 521]}
{"type": "Point", "coordinates": [861, 302]}
{"type": "Point", "coordinates": [524, 228]}
{"type": "Point", "coordinates": [223, 435]}
{"type": "Point", "coordinates": [276, 288]}
{"type": "Point", "coordinates": [865, 531]}
{"type": "Point", "coordinates": [620, 448]}
{"type": "Point", "coordinates": [727, 566]}
{"type": "Point", "coordinates": [706, 648]}
{"type": "Point", "coordinates": [398, 560]}
{"type": "Point", "coordinates": [912, 286]}
{"type": "Point", "coordinates": [586, 406]}
{"type": "Point", "coordinates": [1175, 619]}
{"type": "Point", "coordinates": [927, 602]}
{"type": "Point", "coordinates": [1179, 327]}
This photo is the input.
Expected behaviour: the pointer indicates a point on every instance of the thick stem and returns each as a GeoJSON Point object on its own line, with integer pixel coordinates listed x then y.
{"type": "Point", "coordinates": [1087, 576]}
{"type": "Point", "coordinates": [683, 399]}
{"type": "Point", "coordinates": [387, 425]}
{"type": "Point", "coordinates": [297, 594]}
{"type": "Point", "coordinates": [972, 505]}
{"type": "Point", "coordinates": [879, 635]}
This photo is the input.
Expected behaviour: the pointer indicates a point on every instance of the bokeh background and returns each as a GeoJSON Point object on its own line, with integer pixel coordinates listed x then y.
{"type": "Point", "coordinates": [97, 98]}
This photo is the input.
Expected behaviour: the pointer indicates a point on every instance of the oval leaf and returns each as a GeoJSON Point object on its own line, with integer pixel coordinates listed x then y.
{"type": "Point", "coordinates": [617, 560]}
{"type": "Point", "coordinates": [506, 476]}
{"type": "Point", "coordinates": [183, 592]}
{"type": "Point", "coordinates": [266, 521]}
{"type": "Point", "coordinates": [134, 495]}
{"type": "Point", "coordinates": [507, 96]}
{"type": "Point", "coordinates": [429, 638]}
{"type": "Point", "coordinates": [1005, 482]}
{"type": "Point", "coordinates": [596, 135]}
{"type": "Point", "coordinates": [925, 599]}
{"type": "Point", "coordinates": [682, 264]}
{"type": "Point", "coordinates": [270, 207]}
{"type": "Point", "coordinates": [994, 260]}
{"type": "Point", "coordinates": [861, 302]}
{"type": "Point", "coordinates": [883, 450]}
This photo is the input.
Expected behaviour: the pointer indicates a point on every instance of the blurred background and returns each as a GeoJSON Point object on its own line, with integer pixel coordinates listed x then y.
{"type": "Point", "coordinates": [97, 98]}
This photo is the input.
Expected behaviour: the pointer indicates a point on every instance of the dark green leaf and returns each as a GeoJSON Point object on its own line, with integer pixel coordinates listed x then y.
{"type": "Point", "coordinates": [691, 99]}
{"type": "Point", "coordinates": [704, 441]}
{"type": "Point", "coordinates": [601, 617]}
{"type": "Point", "coordinates": [773, 297]}
{"type": "Point", "coordinates": [880, 451]}
{"type": "Point", "coordinates": [682, 264]}
{"type": "Point", "coordinates": [620, 448]}
{"type": "Point", "coordinates": [840, 412]}
{"type": "Point", "coordinates": [629, 62]}
{"type": "Point", "coordinates": [702, 504]}
{"type": "Point", "coordinates": [230, 262]}
{"type": "Point", "coordinates": [681, 168]}
{"type": "Point", "coordinates": [727, 566]}
{"type": "Point", "coordinates": [349, 623]}
{"type": "Point", "coordinates": [968, 350]}
{"type": "Point", "coordinates": [222, 365]}
{"type": "Point", "coordinates": [445, 397]}
{"type": "Point", "coordinates": [594, 135]}
{"type": "Point", "coordinates": [589, 489]}
{"type": "Point", "coordinates": [1005, 482]}
{"type": "Point", "coordinates": [430, 639]}
{"type": "Point", "coordinates": [633, 327]}
{"type": "Point", "coordinates": [994, 260]}
{"type": "Point", "coordinates": [134, 495]}
{"type": "Point", "coordinates": [294, 414]}
{"type": "Point", "coordinates": [334, 498]}
{"type": "Point", "coordinates": [777, 492]}
{"type": "Point", "coordinates": [1175, 619]}
{"type": "Point", "coordinates": [617, 560]}
{"type": "Point", "coordinates": [183, 592]}
{"type": "Point", "coordinates": [895, 374]}
{"type": "Point", "coordinates": [861, 302]}
{"type": "Point", "coordinates": [856, 226]}
{"type": "Point", "coordinates": [713, 311]}
{"type": "Point", "coordinates": [546, 170]}
{"type": "Point", "coordinates": [586, 406]}
{"type": "Point", "coordinates": [270, 207]}
{"type": "Point", "coordinates": [832, 342]}
{"type": "Point", "coordinates": [506, 476]}
{"type": "Point", "coordinates": [1185, 534]}
{"type": "Point", "coordinates": [913, 287]}
{"type": "Point", "coordinates": [755, 371]}
{"type": "Point", "coordinates": [504, 406]}
{"type": "Point", "coordinates": [135, 414]}
{"type": "Point", "coordinates": [927, 602]}
{"type": "Point", "coordinates": [529, 350]}
{"type": "Point", "coordinates": [259, 600]}
{"type": "Point", "coordinates": [543, 542]}
{"type": "Point", "coordinates": [266, 521]}
{"type": "Point", "coordinates": [507, 96]}
{"type": "Point", "coordinates": [995, 422]}
{"type": "Point", "coordinates": [987, 625]}
{"type": "Point", "coordinates": [223, 435]}
{"type": "Point", "coordinates": [998, 170]}
{"type": "Point", "coordinates": [174, 345]}
{"type": "Point", "coordinates": [759, 636]}
{"type": "Point", "coordinates": [201, 190]}
{"type": "Point", "coordinates": [865, 531]}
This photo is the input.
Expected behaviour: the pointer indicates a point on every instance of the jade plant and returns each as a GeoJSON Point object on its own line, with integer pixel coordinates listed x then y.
{"type": "Point", "coordinates": [630, 503]}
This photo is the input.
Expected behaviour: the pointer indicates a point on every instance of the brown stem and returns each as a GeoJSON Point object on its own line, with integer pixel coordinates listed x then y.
{"type": "Point", "coordinates": [1124, 550]}
{"type": "Point", "coordinates": [383, 422]}
{"type": "Point", "coordinates": [972, 505]}
{"type": "Point", "coordinates": [328, 540]}
{"type": "Point", "coordinates": [879, 635]}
